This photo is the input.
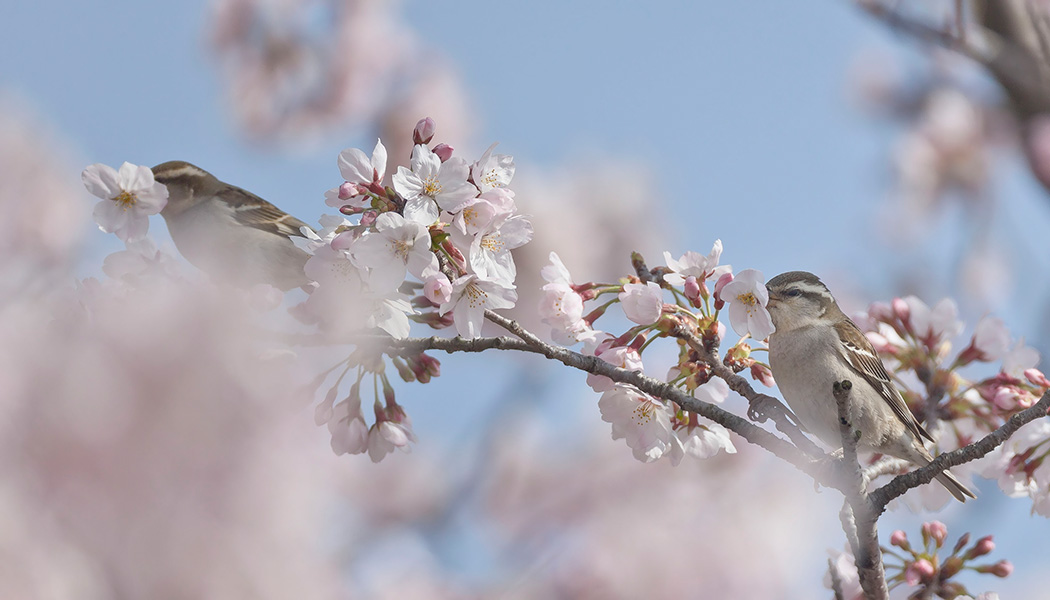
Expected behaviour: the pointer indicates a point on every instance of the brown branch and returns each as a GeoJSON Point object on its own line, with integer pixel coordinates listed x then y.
{"type": "Point", "coordinates": [761, 407]}
{"type": "Point", "coordinates": [866, 551]}
{"type": "Point", "coordinates": [902, 483]}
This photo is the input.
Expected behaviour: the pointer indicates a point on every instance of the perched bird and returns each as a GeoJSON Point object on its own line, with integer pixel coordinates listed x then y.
{"type": "Point", "coordinates": [815, 344]}
{"type": "Point", "coordinates": [228, 232]}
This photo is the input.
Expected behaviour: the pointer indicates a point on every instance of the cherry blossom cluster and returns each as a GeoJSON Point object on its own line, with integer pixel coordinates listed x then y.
{"type": "Point", "coordinates": [433, 247]}
{"type": "Point", "coordinates": [928, 569]}
{"type": "Point", "coordinates": [916, 342]}
{"type": "Point", "coordinates": [699, 288]}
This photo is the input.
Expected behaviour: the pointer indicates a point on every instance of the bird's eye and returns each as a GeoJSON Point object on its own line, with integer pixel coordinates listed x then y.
{"type": "Point", "coordinates": [793, 292]}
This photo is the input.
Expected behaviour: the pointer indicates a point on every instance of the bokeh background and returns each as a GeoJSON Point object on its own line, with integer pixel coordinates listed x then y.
{"type": "Point", "coordinates": [803, 135]}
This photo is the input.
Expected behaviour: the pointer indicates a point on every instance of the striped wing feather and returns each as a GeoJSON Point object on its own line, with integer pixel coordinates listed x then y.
{"type": "Point", "coordinates": [860, 355]}
{"type": "Point", "coordinates": [253, 211]}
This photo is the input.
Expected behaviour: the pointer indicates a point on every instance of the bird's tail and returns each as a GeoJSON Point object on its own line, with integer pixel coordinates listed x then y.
{"type": "Point", "coordinates": [960, 491]}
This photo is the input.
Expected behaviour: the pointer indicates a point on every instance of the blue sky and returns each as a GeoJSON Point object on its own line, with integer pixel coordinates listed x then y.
{"type": "Point", "coordinates": [740, 108]}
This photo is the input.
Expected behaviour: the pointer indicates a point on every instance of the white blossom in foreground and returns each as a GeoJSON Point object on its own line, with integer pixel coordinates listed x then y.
{"type": "Point", "coordinates": [431, 184]}
{"type": "Point", "coordinates": [642, 302]}
{"type": "Point", "coordinates": [747, 297]}
{"type": "Point", "coordinates": [643, 421]}
{"type": "Point", "coordinates": [470, 297]}
{"type": "Point", "coordinates": [129, 197]}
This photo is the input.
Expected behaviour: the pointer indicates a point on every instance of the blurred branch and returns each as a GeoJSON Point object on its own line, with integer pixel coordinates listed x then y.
{"type": "Point", "coordinates": [902, 483]}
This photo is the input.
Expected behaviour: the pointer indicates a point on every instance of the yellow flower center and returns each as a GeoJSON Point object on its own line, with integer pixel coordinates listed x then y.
{"type": "Point", "coordinates": [125, 199]}
{"type": "Point", "coordinates": [476, 296]}
{"type": "Point", "coordinates": [431, 186]}
{"type": "Point", "coordinates": [491, 178]}
{"type": "Point", "coordinates": [492, 243]}
{"type": "Point", "coordinates": [643, 413]}
{"type": "Point", "coordinates": [748, 300]}
{"type": "Point", "coordinates": [401, 248]}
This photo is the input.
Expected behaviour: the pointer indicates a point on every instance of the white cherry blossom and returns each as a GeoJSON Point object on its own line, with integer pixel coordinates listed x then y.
{"type": "Point", "coordinates": [431, 185]}
{"type": "Point", "coordinates": [747, 297]}
{"type": "Point", "coordinates": [643, 421]}
{"type": "Point", "coordinates": [642, 302]}
{"type": "Point", "coordinates": [129, 197]}
{"type": "Point", "coordinates": [395, 247]}
{"type": "Point", "coordinates": [471, 296]}
{"type": "Point", "coordinates": [697, 265]}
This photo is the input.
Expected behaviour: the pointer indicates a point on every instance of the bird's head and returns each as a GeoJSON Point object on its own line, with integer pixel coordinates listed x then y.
{"type": "Point", "coordinates": [798, 299]}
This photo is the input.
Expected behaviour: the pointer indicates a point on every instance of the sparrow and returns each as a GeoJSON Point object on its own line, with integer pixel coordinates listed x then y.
{"type": "Point", "coordinates": [815, 344]}
{"type": "Point", "coordinates": [228, 232]}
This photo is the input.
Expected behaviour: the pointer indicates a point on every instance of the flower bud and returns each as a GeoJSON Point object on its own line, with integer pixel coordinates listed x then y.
{"type": "Point", "coordinates": [900, 539]}
{"type": "Point", "coordinates": [721, 283]}
{"type": "Point", "coordinates": [424, 131]}
{"type": "Point", "coordinates": [349, 190]}
{"type": "Point", "coordinates": [965, 539]}
{"type": "Point", "coordinates": [983, 546]}
{"type": "Point", "coordinates": [920, 570]}
{"type": "Point", "coordinates": [1002, 568]}
{"type": "Point", "coordinates": [1036, 377]}
{"type": "Point", "coordinates": [692, 290]}
{"type": "Point", "coordinates": [950, 567]}
{"type": "Point", "coordinates": [761, 373]}
{"type": "Point", "coordinates": [936, 530]}
{"type": "Point", "coordinates": [443, 151]}
{"type": "Point", "coordinates": [403, 370]}
{"type": "Point", "coordinates": [901, 310]}
{"type": "Point", "coordinates": [368, 217]}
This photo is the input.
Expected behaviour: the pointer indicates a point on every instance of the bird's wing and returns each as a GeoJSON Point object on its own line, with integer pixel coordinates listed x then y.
{"type": "Point", "coordinates": [860, 355]}
{"type": "Point", "coordinates": [253, 211]}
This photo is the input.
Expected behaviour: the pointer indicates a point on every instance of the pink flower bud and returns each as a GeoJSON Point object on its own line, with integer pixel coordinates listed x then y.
{"type": "Point", "coordinates": [692, 290]}
{"type": "Point", "coordinates": [1002, 568]}
{"type": "Point", "coordinates": [900, 539]}
{"type": "Point", "coordinates": [349, 190]}
{"type": "Point", "coordinates": [936, 530]}
{"type": "Point", "coordinates": [761, 373]}
{"type": "Point", "coordinates": [721, 283]}
{"type": "Point", "coordinates": [901, 310]}
{"type": "Point", "coordinates": [983, 546]}
{"type": "Point", "coordinates": [920, 570]}
{"type": "Point", "coordinates": [424, 131]}
{"type": "Point", "coordinates": [443, 151]}
{"type": "Point", "coordinates": [368, 217]}
{"type": "Point", "coordinates": [1005, 398]}
{"type": "Point", "coordinates": [1036, 377]}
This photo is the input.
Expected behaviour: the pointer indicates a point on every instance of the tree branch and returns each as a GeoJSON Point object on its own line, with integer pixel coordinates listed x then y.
{"type": "Point", "coordinates": [866, 550]}
{"type": "Point", "coordinates": [902, 483]}
{"type": "Point", "coordinates": [762, 407]}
